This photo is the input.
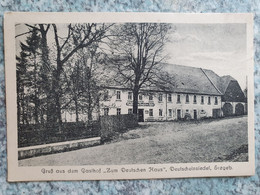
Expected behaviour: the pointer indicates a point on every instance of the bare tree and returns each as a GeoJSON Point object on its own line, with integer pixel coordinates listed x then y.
{"type": "Point", "coordinates": [78, 36]}
{"type": "Point", "coordinates": [83, 78]}
{"type": "Point", "coordinates": [137, 53]}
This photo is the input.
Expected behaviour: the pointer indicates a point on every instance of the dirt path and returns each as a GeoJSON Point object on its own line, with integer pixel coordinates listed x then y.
{"type": "Point", "coordinates": [169, 142]}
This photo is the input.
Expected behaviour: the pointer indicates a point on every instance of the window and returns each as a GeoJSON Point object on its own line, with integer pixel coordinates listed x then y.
{"type": "Point", "coordinates": [106, 96]}
{"type": "Point", "coordinates": [106, 111]}
{"type": "Point", "coordinates": [118, 111]}
{"type": "Point", "coordinates": [160, 97]}
{"type": "Point", "coordinates": [129, 95]}
{"type": "Point", "coordinates": [209, 100]}
{"type": "Point", "coordinates": [169, 97]}
{"type": "Point", "coordinates": [118, 95]}
{"type": "Point", "coordinates": [170, 112]}
{"type": "Point", "coordinates": [178, 98]}
{"type": "Point", "coordinates": [140, 97]}
{"type": "Point", "coordinates": [202, 99]}
{"type": "Point", "coordinates": [150, 97]}
{"type": "Point", "coordinates": [187, 98]}
{"type": "Point", "coordinates": [160, 112]}
{"type": "Point", "coordinates": [150, 112]}
{"type": "Point", "coordinates": [195, 99]}
{"type": "Point", "coordinates": [130, 111]}
{"type": "Point", "coordinates": [216, 100]}
{"type": "Point", "coordinates": [187, 111]}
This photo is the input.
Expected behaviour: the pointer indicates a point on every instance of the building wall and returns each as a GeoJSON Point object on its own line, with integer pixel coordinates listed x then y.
{"type": "Point", "coordinates": [203, 109]}
{"type": "Point", "coordinates": [169, 109]}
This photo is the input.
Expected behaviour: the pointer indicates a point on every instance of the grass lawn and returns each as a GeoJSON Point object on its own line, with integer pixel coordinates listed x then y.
{"type": "Point", "coordinates": [163, 142]}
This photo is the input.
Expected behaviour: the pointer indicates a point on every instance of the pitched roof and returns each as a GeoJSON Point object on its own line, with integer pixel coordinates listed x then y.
{"type": "Point", "coordinates": [187, 79]}
{"type": "Point", "coordinates": [228, 86]}
{"type": "Point", "coordinates": [191, 80]}
{"type": "Point", "coordinates": [220, 82]}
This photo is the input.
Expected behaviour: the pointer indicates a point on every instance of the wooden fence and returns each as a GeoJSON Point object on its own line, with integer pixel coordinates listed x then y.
{"type": "Point", "coordinates": [106, 128]}
{"type": "Point", "coordinates": [37, 134]}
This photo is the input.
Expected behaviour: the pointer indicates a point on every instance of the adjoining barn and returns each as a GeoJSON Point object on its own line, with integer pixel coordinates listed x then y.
{"type": "Point", "coordinates": [233, 98]}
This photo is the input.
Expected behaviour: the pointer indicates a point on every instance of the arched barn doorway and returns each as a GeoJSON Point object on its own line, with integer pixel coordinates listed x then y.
{"type": "Point", "coordinates": [239, 109]}
{"type": "Point", "coordinates": [227, 109]}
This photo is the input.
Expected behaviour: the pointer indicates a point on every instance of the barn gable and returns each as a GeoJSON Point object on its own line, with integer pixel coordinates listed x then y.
{"type": "Point", "coordinates": [228, 86]}
{"type": "Point", "coordinates": [233, 93]}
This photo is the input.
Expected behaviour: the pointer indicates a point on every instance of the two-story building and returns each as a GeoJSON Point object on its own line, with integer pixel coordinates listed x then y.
{"type": "Point", "coordinates": [197, 93]}
{"type": "Point", "coordinates": [159, 105]}
{"type": "Point", "coordinates": [193, 95]}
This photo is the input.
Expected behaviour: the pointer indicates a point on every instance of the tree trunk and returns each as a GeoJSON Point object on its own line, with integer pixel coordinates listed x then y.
{"type": "Point", "coordinates": [135, 99]}
{"type": "Point", "coordinates": [23, 106]}
{"type": "Point", "coordinates": [47, 74]}
{"type": "Point", "coordinates": [89, 104]}
{"type": "Point", "coordinates": [76, 109]}
{"type": "Point", "coordinates": [18, 108]}
{"type": "Point", "coordinates": [58, 105]}
{"type": "Point", "coordinates": [36, 100]}
{"type": "Point", "coordinates": [56, 88]}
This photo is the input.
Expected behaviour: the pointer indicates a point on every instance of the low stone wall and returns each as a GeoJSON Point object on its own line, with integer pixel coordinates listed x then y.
{"type": "Point", "coordinates": [33, 151]}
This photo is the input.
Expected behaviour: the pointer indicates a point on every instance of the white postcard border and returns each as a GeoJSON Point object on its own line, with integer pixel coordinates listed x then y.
{"type": "Point", "coordinates": [16, 173]}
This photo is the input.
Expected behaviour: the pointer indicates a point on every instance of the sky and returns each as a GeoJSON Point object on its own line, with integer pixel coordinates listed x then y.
{"type": "Point", "coordinates": [218, 47]}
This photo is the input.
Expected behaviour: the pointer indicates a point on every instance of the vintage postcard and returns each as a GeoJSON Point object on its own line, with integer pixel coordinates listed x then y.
{"type": "Point", "coordinates": [102, 96]}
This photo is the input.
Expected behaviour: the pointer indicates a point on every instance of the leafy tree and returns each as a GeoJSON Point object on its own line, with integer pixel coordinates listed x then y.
{"type": "Point", "coordinates": [28, 83]}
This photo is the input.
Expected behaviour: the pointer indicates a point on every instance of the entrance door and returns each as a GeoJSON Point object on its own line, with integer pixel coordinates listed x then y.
{"type": "Point", "coordinates": [140, 115]}
{"type": "Point", "coordinates": [216, 113]}
{"type": "Point", "coordinates": [195, 114]}
{"type": "Point", "coordinates": [178, 114]}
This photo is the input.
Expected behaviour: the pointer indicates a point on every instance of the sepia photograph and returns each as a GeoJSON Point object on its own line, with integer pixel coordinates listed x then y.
{"type": "Point", "coordinates": [138, 93]}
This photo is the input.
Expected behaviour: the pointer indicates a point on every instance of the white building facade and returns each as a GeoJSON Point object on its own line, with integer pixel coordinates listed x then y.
{"type": "Point", "coordinates": [162, 106]}
{"type": "Point", "coordinates": [197, 93]}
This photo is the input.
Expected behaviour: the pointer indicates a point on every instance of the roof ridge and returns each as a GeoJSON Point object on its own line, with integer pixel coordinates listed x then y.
{"type": "Point", "coordinates": [211, 81]}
